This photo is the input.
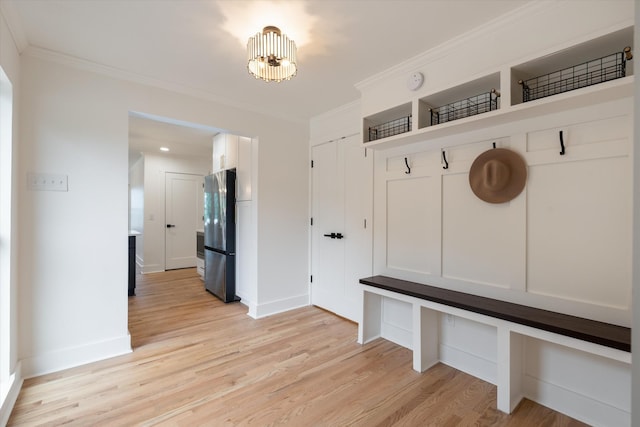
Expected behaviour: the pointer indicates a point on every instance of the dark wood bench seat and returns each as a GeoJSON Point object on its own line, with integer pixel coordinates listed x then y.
{"type": "Point", "coordinates": [605, 334]}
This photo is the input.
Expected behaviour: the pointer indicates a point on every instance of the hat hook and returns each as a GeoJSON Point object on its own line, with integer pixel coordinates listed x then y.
{"type": "Point", "coordinates": [406, 162]}
{"type": "Point", "coordinates": [444, 157]}
{"type": "Point", "coordinates": [561, 144]}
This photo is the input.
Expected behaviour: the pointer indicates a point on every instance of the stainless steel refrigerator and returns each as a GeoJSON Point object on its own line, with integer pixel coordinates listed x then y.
{"type": "Point", "coordinates": [220, 235]}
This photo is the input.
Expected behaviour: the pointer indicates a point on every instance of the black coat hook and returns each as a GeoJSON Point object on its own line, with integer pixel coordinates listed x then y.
{"type": "Point", "coordinates": [561, 144]}
{"type": "Point", "coordinates": [444, 157]}
{"type": "Point", "coordinates": [406, 162]}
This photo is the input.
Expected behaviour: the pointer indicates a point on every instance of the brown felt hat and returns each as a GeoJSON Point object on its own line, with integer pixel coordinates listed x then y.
{"type": "Point", "coordinates": [498, 175]}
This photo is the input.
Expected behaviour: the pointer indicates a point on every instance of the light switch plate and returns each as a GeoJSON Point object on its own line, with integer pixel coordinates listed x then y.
{"type": "Point", "coordinates": [47, 182]}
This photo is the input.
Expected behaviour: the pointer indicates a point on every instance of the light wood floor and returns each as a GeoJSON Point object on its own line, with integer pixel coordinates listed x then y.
{"type": "Point", "coordinates": [197, 361]}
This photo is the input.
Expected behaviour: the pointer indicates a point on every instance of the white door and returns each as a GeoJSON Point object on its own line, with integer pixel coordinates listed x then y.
{"type": "Point", "coordinates": [183, 215]}
{"type": "Point", "coordinates": [341, 232]}
{"type": "Point", "coordinates": [327, 253]}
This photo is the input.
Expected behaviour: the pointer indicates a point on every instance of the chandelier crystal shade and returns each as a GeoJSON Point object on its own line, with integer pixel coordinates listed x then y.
{"type": "Point", "coordinates": [271, 56]}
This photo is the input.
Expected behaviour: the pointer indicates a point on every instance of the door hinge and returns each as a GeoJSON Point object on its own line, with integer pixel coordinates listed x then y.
{"type": "Point", "coordinates": [312, 278]}
{"type": "Point", "coordinates": [365, 223]}
{"type": "Point", "coordinates": [365, 152]}
{"type": "Point", "coordinates": [311, 163]}
{"type": "Point", "coordinates": [312, 221]}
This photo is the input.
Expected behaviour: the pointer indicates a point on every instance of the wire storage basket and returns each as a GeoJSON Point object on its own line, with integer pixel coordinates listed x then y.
{"type": "Point", "coordinates": [465, 107]}
{"type": "Point", "coordinates": [596, 71]}
{"type": "Point", "coordinates": [390, 128]}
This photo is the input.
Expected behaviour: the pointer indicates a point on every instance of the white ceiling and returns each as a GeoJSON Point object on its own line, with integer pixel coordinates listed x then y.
{"type": "Point", "coordinates": [147, 134]}
{"type": "Point", "coordinates": [188, 45]}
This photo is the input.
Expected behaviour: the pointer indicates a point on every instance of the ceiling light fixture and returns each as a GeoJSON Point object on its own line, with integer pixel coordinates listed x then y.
{"type": "Point", "coordinates": [164, 149]}
{"type": "Point", "coordinates": [272, 55]}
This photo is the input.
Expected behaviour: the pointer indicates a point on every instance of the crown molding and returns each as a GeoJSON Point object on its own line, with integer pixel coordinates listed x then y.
{"type": "Point", "coordinates": [120, 74]}
{"type": "Point", "coordinates": [433, 54]}
{"type": "Point", "coordinates": [12, 18]}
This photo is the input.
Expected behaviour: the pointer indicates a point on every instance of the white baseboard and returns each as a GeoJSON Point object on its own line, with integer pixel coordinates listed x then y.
{"type": "Point", "coordinates": [279, 306]}
{"type": "Point", "coordinates": [9, 394]}
{"type": "Point", "coordinates": [251, 306]}
{"type": "Point", "coordinates": [75, 356]}
{"type": "Point", "coordinates": [469, 363]}
{"type": "Point", "coordinates": [578, 406]}
{"type": "Point", "coordinates": [252, 311]}
{"type": "Point", "coordinates": [151, 268]}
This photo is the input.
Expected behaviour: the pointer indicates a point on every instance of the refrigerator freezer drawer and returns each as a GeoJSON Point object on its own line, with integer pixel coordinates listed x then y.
{"type": "Point", "coordinates": [219, 275]}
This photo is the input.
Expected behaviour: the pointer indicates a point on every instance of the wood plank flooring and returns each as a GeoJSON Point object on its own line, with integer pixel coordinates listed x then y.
{"type": "Point", "coordinates": [199, 362]}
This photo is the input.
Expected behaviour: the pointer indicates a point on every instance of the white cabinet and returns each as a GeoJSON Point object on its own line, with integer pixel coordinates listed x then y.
{"type": "Point", "coordinates": [510, 92]}
{"type": "Point", "coordinates": [233, 151]}
{"type": "Point", "coordinates": [225, 151]}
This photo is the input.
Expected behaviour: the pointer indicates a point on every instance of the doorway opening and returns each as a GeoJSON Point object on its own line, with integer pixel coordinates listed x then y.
{"type": "Point", "coordinates": [168, 160]}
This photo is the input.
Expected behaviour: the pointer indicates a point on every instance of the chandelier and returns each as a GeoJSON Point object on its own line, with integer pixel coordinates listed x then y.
{"type": "Point", "coordinates": [271, 55]}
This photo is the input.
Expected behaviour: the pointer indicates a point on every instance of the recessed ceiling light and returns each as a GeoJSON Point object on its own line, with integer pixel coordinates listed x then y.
{"type": "Point", "coordinates": [164, 149]}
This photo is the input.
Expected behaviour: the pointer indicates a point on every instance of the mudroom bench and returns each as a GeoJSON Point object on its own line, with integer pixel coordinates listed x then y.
{"type": "Point", "coordinates": [513, 323]}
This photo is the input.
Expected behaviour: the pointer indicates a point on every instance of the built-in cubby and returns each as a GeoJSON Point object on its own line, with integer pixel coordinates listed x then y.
{"type": "Point", "coordinates": [468, 99]}
{"type": "Point", "coordinates": [596, 61]}
{"type": "Point", "coordinates": [595, 71]}
{"type": "Point", "coordinates": [388, 123]}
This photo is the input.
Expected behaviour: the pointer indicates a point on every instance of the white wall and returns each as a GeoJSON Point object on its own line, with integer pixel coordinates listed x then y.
{"type": "Point", "coordinates": [153, 238]}
{"type": "Point", "coordinates": [73, 304]}
{"type": "Point", "coordinates": [282, 218]}
{"type": "Point", "coordinates": [10, 376]}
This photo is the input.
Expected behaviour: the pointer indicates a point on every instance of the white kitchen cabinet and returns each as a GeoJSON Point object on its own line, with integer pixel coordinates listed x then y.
{"type": "Point", "coordinates": [233, 151]}
{"type": "Point", "coordinates": [225, 152]}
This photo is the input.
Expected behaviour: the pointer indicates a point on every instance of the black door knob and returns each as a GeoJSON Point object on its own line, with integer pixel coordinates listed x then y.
{"type": "Point", "coordinates": [170, 225]}
{"type": "Point", "coordinates": [339, 236]}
